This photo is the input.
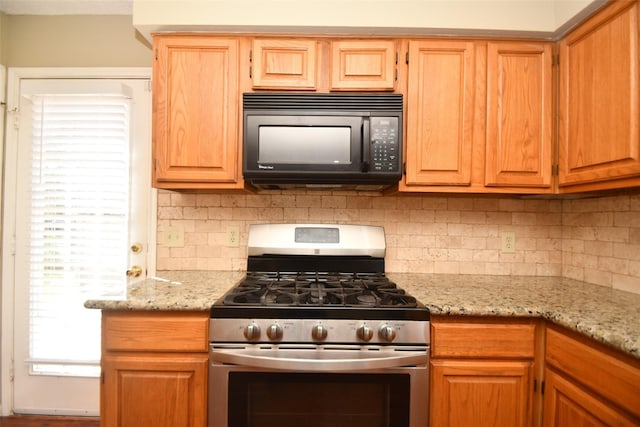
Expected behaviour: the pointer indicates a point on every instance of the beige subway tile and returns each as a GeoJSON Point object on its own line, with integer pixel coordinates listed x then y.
{"type": "Point", "coordinates": [612, 234]}
{"type": "Point", "coordinates": [208, 200]}
{"type": "Point", "coordinates": [487, 255]}
{"type": "Point", "coordinates": [362, 202]}
{"type": "Point", "coordinates": [524, 269]}
{"type": "Point", "coordinates": [549, 244]}
{"type": "Point", "coordinates": [320, 215]}
{"type": "Point", "coordinates": [421, 241]}
{"type": "Point", "coordinates": [270, 214]}
{"type": "Point", "coordinates": [459, 204]}
{"type": "Point", "coordinates": [408, 228]}
{"type": "Point", "coordinates": [554, 269]}
{"type": "Point", "coordinates": [195, 213]}
{"type": "Point", "coordinates": [447, 216]}
{"type": "Point", "coordinates": [394, 215]}
{"type": "Point", "coordinates": [603, 278]}
{"type": "Point", "coordinates": [194, 239]}
{"type": "Point", "coordinates": [296, 214]}
{"type": "Point", "coordinates": [183, 199]}
{"type": "Point", "coordinates": [615, 204]}
{"type": "Point", "coordinates": [233, 200]}
{"type": "Point", "coordinates": [473, 268]}
{"type": "Point", "coordinates": [189, 264]}
{"type": "Point", "coordinates": [349, 216]}
{"type": "Point", "coordinates": [613, 265]}
{"type": "Point", "coordinates": [446, 267]}
{"type": "Point", "coordinates": [498, 268]}
{"type": "Point", "coordinates": [309, 201]}
{"type": "Point", "coordinates": [536, 257]}
{"type": "Point", "coordinates": [634, 202]}
{"type": "Point", "coordinates": [511, 258]}
{"type": "Point", "coordinates": [164, 198]}
{"type": "Point", "coordinates": [421, 215]}
{"type": "Point", "coordinates": [372, 216]}
{"type": "Point", "coordinates": [409, 202]}
{"type": "Point", "coordinates": [282, 201]}
{"type": "Point", "coordinates": [169, 212]}
{"type": "Point", "coordinates": [434, 254]}
{"type": "Point", "coordinates": [626, 283]}
{"type": "Point", "coordinates": [459, 229]}
{"type": "Point", "coordinates": [499, 218]}
{"type": "Point", "coordinates": [485, 205]}
{"type": "Point", "coordinates": [572, 272]}
{"type": "Point", "coordinates": [448, 241]}
{"type": "Point", "coordinates": [473, 217]}
{"type": "Point", "coordinates": [549, 218]}
{"type": "Point", "coordinates": [634, 268]}
{"type": "Point", "coordinates": [409, 253]}
{"type": "Point", "coordinates": [207, 226]}
{"type": "Point", "coordinates": [627, 219]}
{"type": "Point", "coordinates": [511, 205]}
{"type": "Point", "coordinates": [463, 255]}
{"type": "Point", "coordinates": [470, 242]}
{"type": "Point", "coordinates": [245, 214]}
{"type": "Point", "coordinates": [435, 203]}
{"type": "Point", "coordinates": [523, 218]}
{"type": "Point", "coordinates": [435, 229]}
{"type": "Point", "coordinates": [596, 247]}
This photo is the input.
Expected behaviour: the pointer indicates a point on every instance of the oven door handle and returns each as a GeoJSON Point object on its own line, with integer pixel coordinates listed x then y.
{"type": "Point", "coordinates": [319, 360]}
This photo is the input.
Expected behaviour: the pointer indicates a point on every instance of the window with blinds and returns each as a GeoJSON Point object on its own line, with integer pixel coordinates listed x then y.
{"type": "Point", "coordinates": [78, 225]}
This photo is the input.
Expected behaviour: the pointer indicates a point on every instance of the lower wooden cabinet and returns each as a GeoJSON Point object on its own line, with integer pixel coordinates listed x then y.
{"type": "Point", "coordinates": [587, 384]}
{"type": "Point", "coordinates": [483, 372]}
{"type": "Point", "coordinates": [154, 369]}
{"type": "Point", "coordinates": [481, 392]}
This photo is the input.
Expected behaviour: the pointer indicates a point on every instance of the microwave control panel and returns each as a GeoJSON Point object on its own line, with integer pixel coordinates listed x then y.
{"type": "Point", "coordinates": [385, 144]}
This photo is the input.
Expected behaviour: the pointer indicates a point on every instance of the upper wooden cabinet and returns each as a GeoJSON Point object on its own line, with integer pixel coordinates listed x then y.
{"type": "Point", "coordinates": [284, 64]}
{"type": "Point", "coordinates": [519, 114]}
{"type": "Point", "coordinates": [599, 142]}
{"type": "Point", "coordinates": [363, 65]}
{"type": "Point", "coordinates": [479, 117]}
{"type": "Point", "coordinates": [440, 113]}
{"type": "Point", "coordinates": [195, 112]}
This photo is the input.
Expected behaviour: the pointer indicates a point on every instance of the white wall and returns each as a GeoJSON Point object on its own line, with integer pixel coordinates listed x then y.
{"type": "Point", "coordinates": [358, 16]}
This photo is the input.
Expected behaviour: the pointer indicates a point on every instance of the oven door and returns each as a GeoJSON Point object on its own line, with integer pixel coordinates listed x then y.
{"type": "Point", "coordinates": [318, 386]}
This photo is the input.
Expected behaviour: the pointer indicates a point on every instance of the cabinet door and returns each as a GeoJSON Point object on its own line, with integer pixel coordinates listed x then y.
{"type": "Point", "coordinates": [599, 98]}
{"type": "Point", "coordinates": [284, 64]}
{"type": "Point", "coordinates": [519, 114]}
{"type": "Point", "coordinates": [154, 391]}
{"type": "Point", "coordinates": [195, 112]}
{"type": "Point", "coordinates": [363, 65]}
{"type": "Point", "coordinates": [440, 101]}
{"type": "Point", "coordinates": [568, 404]}
{"type": "Point", "coordinates": [481, 393]}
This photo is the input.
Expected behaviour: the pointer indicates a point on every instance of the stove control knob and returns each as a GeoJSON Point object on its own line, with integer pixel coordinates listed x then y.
{"type": "Point", "coordinates": [365, 333]}
{"type": "Point", "coordinates": [252, 331]}
{"type": "Point", "coordinates": [319, 332]}
{"type": "Point", "coordinates": [274, 332]}
{"type": "Point", "coordinates": [387, 333]}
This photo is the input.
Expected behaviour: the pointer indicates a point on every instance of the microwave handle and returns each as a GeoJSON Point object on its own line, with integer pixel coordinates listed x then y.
{"type": "Point", "coordinates": [366, 144]}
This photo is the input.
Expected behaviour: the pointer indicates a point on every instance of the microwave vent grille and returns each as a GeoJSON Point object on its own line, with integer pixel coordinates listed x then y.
{"type": "Point", "coordinates": [322, 101]}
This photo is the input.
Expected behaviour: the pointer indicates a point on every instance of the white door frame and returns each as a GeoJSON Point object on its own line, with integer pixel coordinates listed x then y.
{"type": "Point", "coordinates": [14, 76]}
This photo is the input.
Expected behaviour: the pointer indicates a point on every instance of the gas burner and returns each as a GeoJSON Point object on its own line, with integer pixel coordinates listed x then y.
{"type": "Point", "coordinates": [318, 289]}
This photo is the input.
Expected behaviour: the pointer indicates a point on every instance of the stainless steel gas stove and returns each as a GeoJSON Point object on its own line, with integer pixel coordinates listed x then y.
{"type": "Point", "coordinates": [317, 308]}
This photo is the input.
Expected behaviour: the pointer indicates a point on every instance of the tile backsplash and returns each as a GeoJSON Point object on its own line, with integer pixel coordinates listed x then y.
{"type": "Point", "coordinates": [596, 240]}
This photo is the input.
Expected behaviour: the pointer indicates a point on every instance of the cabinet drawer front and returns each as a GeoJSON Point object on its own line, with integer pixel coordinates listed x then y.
{"type": "Point", "coordinates": [604, 373]}
{"type": "Point", "coordinates": [141, 331]}
{"type": "Point", "coordinates": [499, 340]}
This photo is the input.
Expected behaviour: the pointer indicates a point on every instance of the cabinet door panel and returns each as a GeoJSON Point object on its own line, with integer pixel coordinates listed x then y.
{"type": "Point", "coordinates": [195, 110]}
{"type": "Point", "coordinates": [440, 113]}
{"type": "Point", "coordinates": [480, 393]}
{"type": "Point", "coordinates": [284, 64]}
{"type": "Point", "coordinates": [362, 65]}
{"type": "Point", "coordinates": [599, 98]}
{"type": "Point", "coordinates": [154, 391]}
{"type": "Point", "coordinates": [567, 404]}
{"type": "Point", "coordinates": [519, 114]}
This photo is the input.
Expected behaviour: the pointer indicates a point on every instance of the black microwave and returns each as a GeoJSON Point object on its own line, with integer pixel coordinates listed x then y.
{"type": "Point", "coordinates": [345, 140]}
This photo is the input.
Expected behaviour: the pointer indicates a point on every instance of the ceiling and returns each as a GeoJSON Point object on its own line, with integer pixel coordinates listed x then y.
{"type": "Point", "coordinates": [66, 7]}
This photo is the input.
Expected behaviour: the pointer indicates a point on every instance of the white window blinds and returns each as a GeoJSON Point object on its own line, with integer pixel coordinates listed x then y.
{"type": "Point", "coordinates": [78, 224]}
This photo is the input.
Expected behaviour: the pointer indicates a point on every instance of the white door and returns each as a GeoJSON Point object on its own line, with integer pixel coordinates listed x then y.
{"type": "Point", "coordinates": [77, 199]}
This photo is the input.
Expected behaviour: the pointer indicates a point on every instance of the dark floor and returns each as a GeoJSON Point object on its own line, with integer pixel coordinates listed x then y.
{"type": "Point", "coordinates": [40, 421]}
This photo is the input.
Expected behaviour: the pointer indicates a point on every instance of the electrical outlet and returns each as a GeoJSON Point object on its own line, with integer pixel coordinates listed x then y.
{"type": "Point", "coordinates": [174, 236]}
{"type": "Point", "coordinates": [233, 236]}
{"type": "Point", "coordinates": [508, 242]}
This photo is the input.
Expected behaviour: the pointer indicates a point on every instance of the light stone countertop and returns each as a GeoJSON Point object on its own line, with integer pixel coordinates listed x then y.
{"type": "Point", "coordinates": [604, 314]}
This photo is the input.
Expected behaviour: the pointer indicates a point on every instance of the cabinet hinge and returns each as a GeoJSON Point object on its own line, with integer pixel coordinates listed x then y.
{"type": "Point", "coordinates": [397, 58]}
{"type": "Point", "coordinates": [155, 164]}
{"type": "Point", "coordinates": [250, 55]}
{"type": "Point", "coordinates": [555, 170]}
{"type": "Point", "coordinates": [542, 387]}
{"type": "Point", "coordinates": [102, 377]}
{"type": "Point", "coordinates": [156, 54]}
{"type": "Point", "coordinates": [555, 59]}
{"type": "Point", "coordinates": [396, 74]}
{"type": "Point", "coordinates": [406, 58]}
{"type": "Point", "coordinates": [404, 168]}
{"type": "Point", "coordinates": [535, 385]}
{"type": "Point", "coordinates": [250, 72]}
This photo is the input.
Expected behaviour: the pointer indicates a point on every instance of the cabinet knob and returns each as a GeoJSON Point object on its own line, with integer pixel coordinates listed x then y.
{"type": "Point", "coordinates": [134, 271]}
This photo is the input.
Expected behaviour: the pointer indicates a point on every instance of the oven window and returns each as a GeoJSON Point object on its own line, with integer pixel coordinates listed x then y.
{"type": "Point", "coordinates": [318, 400]}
